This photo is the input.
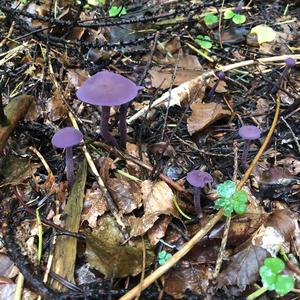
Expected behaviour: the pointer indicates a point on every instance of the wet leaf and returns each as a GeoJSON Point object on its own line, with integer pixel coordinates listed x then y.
{"type": "Point", "coordinates": [15, 170]}
{"type": "Point", "coordinates": [186, 277]}
{"type": "Point", "coordinates": [158, 230]}
{"type": "Point", "coordinates": [205, 114]}
{"type": "Point", "coordinates": [125, 193]}
{"type": "Point", "coordinates": [243, 269]}
{"type": "Point", "coordinates": [106, 253]}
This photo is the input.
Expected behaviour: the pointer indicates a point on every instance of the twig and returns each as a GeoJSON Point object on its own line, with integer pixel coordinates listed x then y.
{"type": "Point", "coordinates": [19, 287]}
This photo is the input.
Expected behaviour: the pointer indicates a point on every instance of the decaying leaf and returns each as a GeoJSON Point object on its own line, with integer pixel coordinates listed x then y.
{"type": "Point", "coordinates": [94, 206]}
{"type": "Point", "coordinates": [125, 193]}
{"type": "Point", "coordinates": [106, 253]}
{"type": "Point", "coordinates": [56, 107]}
{"type": "Point", "coordinates": [157, 200]}
{"type": "Point", "coordinates": [204, 114]}
{"type": "Point", "coordinates": [242, 269]}
{"type": "Point", "coordinates": [194, 278]}
{"type": "Point", "coordinates": [158, 230]}
{"type": "Point", "coordinates": [15, 169]}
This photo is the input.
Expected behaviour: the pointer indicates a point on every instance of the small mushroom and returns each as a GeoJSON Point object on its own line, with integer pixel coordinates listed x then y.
{"type": "Point", "coordinates": [221, 76]}
{"type": "Point", "coordinates": [248, 133]}
{"type": "Point", "coordinates": [198, 179]}
{"type": "Point", "coordinates": [67, 138]}
{"type": "Point", "coordinates": [289, 63]}
{"type": "Point", "coordinates": [108, 89]}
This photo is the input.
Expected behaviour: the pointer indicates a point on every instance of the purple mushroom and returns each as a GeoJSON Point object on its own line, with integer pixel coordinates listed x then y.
{"type": "Point", "coordinates": [67, 138]}
{"type": "Point", "coordinates": [221, 76]}
{"type": "Point", "coordinates": [108, 89]}
{"type": "Point", "coordinates": [289, 63]}
{"type": "Point", "coordinates": [248, 133]}
{"type": "Point", "coordinates": [198, 179]}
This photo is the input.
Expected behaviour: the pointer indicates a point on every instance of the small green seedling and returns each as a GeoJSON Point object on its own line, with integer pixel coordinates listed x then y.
{"type": "Point", "coordinates": [115, 11]}
{"type": "Point", "coordinates": [204, 41]}
{"type": "Point", "coordinates": [230, 199]}
{"type": "Point", "coordinates": [273, 279]}
{"type": "Point", "coordinates": [163, 256]}
{"type": "Point", "coordinates": [236, 18]}
{"type": "Point", "coordinates": [210, 19]}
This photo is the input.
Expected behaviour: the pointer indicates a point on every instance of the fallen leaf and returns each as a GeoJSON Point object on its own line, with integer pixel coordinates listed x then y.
{"type": "Point", "coordinates": [195, 279]}
{"type": "Point", "coordinates": [242, 270]}
{"type": "Point", "coordinates": [56, 107]}
{"type": "Point", "coordinates": [125, 193]}
{"type": "Point", "coordinates": [158, 230]}
{"type": "Point", "coordinates": [105, 252]}
{"type": "Point", "coordinates": [158, 198]}
{"type": "Point", "coordinates": [204, 114]}
{"type": "Point", "coordinates": [94, 206]}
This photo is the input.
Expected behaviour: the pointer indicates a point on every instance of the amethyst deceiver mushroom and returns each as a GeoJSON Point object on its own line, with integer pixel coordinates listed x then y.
{"type": "Point", "coordinates": [198, 179]}
{"type": "Point", "coordinates": [221, 76]}
{"type": "Point", "coordinates": [248, 133]}
{"type": "Point", "coordinates": [108, 89]}
{"type": "Point", "coordinates": [67, 138]}
{"type": "Point", "coordinates": [289, 63]}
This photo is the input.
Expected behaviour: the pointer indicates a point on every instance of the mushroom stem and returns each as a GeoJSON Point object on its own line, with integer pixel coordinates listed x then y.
{"type": "Point", "coordinates": [245, 153]}
{"type": "Point", "coordinates": [278, 82]}
{"type": "Point", "coordinates": [69, 167]}
{"type": "Point", "coordinates": [123, 125]}
{"type": "Point", "coordinates": [3, 118]}
{"type": "Point", "coordinates": [213, 89]}
{"type": "Point", "coordinates": [104, 127]}
{"type": "Point", "coordinates": [197, 202]}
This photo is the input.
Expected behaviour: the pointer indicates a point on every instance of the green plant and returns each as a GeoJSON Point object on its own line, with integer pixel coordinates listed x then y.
{"type": "Point", "coordinates": [163, 256]}
{"type": "Point", "coordinates": [115, 11]}
{"type": "Point", "coordinates": [236, 17]}
{"type": "Point", "coordinates": [210, 19]}
{"type": "Point", "coordinates": [273, 279]}
{"type": "Point", "coordinates": [230, 199]}
{"type": "Point", "coordinates": [204, 41]}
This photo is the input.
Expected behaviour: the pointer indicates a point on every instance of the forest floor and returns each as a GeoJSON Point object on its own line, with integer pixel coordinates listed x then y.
{"type": "Point", "coordinates": [202, 203]}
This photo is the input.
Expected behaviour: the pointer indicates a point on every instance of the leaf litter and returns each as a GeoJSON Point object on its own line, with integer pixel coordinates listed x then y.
{"type": "Point", "coordinates": [175, 125]}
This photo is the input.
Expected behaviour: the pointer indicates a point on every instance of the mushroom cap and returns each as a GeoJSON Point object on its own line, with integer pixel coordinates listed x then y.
{"type": "Point", "coordinates": [107, 88]}
{"type": "Point", "coordinates": [66, 137]}
{"type": "Point", "coordinates": [220, 75]}
{"type": "Point", "coordinates": [249, 132]}
{"type": "Point", "coordinates": [290, 62]}
{"type": "Point", "coordinates": [198, 178]}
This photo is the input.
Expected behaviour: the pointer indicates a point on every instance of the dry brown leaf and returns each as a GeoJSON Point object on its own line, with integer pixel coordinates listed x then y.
{"type": "Point", "coordinates": [77, 77]}
{"type": "Point", "coordinates": [162, 77]}
{"type": "Point", "coordinates": [204, 114]}
{"type": "Point", "coordinates": [158, 198]}
{"type": "Point", "coordinates": [125, 193]}
{"type": "Point", "coordinates": [56, 107]}
{"type": "Point", "coordinates": [291, 164]}
{"type": "Point", "coordinates": [159, 229]}
{"type": "Point", "coordinates": [94, 206]}
{"type": "Point", "coordinates": [141, 225]}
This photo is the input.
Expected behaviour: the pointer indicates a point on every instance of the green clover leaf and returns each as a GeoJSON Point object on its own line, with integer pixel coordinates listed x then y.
{"type": "Point", "coordinates": [239, 19]}
{"type": "Point", "coordinates": [275, 264]}
{"type": "Point", "coordinates": [163, 256]}
{"type": "Point", "coordinates": [239, 202]}
{"type": "Point", "coordinates": [268, 278]}
{"type": "Point", "coordinates": [203, 41]}
{"type": "Point", "coordinates": [228, 14]}
{"type": "Point", "coordinates": [210, 19]}
{"type": "Point", "coordinates": [284, 284]}
{"type": "Point", "coordinates": [226, 189]}
{"type": "Point", "coordinates": [117, 11]}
